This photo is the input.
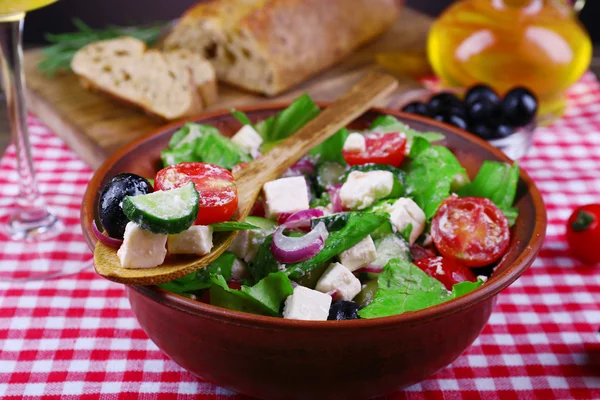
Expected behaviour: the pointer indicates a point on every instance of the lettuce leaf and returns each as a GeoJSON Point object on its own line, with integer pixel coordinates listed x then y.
{"type": "Point", "coordinates": [404, 287]}
{"type": "Point", "coordinates": [429, 177]}
{"type": "Point", "coordinates": [498, 182]}
{"type": "Point", "coordinates": [388, 123]}
{"type": "Point", "coordinates": [264, 298]}
{"type": "Point", "coordinates": [229, 226]}
{"type": "Point", "coordinates": [201, 279]}
{"type": "Point", "coordinates": [288, 120]}
{"type": "Point", "coordinates": [331, 149]}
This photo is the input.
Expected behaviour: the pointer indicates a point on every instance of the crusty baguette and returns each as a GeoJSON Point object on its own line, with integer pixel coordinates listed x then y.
{"type": "Point", "coordinates": [267, 46]}
{"type": "Point", "coordinates": [168, 85]}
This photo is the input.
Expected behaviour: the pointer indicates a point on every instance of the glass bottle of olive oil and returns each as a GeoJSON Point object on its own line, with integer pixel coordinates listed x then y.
{"type": "Point", "coordinates": [538, 44]}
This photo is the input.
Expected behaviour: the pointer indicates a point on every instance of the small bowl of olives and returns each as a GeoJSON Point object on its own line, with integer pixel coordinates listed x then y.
{"type": "Point", "coordinates": [507, 123]}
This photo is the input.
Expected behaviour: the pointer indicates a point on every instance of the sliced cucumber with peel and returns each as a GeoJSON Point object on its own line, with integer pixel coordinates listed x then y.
{"type": "Point", "coordinates": [168, 212]}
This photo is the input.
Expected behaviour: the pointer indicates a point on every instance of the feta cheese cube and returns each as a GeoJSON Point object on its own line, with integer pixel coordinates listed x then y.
{"type": "Point", "coordinates": [239, 270]}
{"type": "Point", "coordinates": [285, 195]}
{"type": "Point", "coordinates": [142, 248]}
{"type": "Point", "coordinates": [248, 139]}
{"type": "Point", "coordinates": [338, 278]}
{"type": "Point", "coordinates": [355, 143]}
{"type": "Point", "coordinates": [307, 304]}
{"type": "Point", "coordinates": [362, 189]}
{"type": "Point", "coordinates": [404, 212]}
{"type": "Point", "coordinates": [196, 240]}
{"type": "Point", "coordinates": [246, 243]}
{"type": "Point", "coordinates": [359, 255]}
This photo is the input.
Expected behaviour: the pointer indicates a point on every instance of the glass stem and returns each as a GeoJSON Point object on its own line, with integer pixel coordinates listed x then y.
{"type": "Point", "coordinates": [31, 203]}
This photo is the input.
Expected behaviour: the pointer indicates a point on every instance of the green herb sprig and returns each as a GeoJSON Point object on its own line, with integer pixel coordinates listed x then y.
{"type": "Point", "coordinates": [58, 56]}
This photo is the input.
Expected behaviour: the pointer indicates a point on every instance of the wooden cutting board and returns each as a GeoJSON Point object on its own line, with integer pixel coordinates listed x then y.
{"type": "Point", "coordinates": [94, 126]}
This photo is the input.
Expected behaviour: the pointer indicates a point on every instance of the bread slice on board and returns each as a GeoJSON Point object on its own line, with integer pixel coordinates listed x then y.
{"type": "Point", "coordinates": [267, 46]}
{"type": "Point", "coordinates": [168, 85]}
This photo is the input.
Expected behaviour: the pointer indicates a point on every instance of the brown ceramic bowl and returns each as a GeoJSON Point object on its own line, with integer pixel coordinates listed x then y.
{"type": "Point", "coordinates": [274, 358]}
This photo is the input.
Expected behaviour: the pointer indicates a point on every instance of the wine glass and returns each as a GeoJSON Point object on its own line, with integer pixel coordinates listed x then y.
{"type": "Point", "coordinates": [31, 220]}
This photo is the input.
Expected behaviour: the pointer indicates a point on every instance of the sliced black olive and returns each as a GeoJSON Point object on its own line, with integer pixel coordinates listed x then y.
{"type": "Point", "coordinates": [111, 214]}
{"type": "Point", "coordinates": [519, 107]}
{"type": "Point", "coordinates": [342, 310]}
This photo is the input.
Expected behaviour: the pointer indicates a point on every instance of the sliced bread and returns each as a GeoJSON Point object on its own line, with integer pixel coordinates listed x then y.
{"type": "Point", "coordinates": [168, 85]}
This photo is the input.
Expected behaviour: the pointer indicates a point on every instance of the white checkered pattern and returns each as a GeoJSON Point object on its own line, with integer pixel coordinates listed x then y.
{"type": "Point", "coordinates": [76, 338]}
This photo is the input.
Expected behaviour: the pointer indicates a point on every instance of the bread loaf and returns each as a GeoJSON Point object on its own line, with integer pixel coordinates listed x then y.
{"type": "Point", "coordinates": [169, 85]}
{"type": "Point", "coordinates": [267, 46]}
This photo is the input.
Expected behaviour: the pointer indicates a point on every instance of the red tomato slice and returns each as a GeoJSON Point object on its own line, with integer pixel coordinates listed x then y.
{"type": "Point", "coordinates": [471, 230]}
{"type": "Point", "coordinates": [216, 186]}
{"type": "Point", "coordinates": [447, 271]}
{"type": "Point", "coordinates": [381, 148]}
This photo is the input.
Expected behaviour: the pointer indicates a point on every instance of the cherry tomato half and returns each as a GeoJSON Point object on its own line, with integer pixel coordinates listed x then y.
{"type": "Point", "coordinates": [583, 233]}
{"type": "Point", "coordinates": [216, 186]}
{"type": "Point", "coordinates": [471, 230]}
{"type": "Point", "coordinates": [445, 270]}
{"type": "Point", "coordinates": [381, 148]}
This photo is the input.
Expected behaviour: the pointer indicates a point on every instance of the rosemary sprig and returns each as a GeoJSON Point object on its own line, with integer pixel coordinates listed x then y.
{"type": "Point", "coordinates": [58, 56]}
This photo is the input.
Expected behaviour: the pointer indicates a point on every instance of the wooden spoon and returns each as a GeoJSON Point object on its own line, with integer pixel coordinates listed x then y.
{"type": "Point", "coordinates": [251, 179]}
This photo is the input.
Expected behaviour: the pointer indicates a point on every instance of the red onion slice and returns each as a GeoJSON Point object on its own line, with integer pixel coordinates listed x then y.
{"type": "Point", "coordinates": [104, 238]}
{"type": "Point", "coordinates": [334, 197]}
{"type": "Point", "coordinates": [300, 219]}
{"type": "Point", "coordinates": [295, 249]}
{"type": "Point", "coordinates": [302, 167]}
{"type": "Point", "coordinates": [370, 269]}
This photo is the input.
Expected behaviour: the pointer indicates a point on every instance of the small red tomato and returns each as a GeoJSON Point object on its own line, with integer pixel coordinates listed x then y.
{"type": "Point", "coordinates": [417, 252]}
{"type": "Point", "coordinates": [216, 186]}
{"type": "Point", "coordinates": [445, 270]}
{"type": "Point", "coordinates": [583, 233]}
{"type": "Point", "coordinates": [471, 230]}
{"type": "Point", "coordinates": [381, 148]}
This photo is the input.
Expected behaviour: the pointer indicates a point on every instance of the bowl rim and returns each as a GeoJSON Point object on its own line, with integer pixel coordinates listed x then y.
{"type": "Point", "coordinates": [490, 289]}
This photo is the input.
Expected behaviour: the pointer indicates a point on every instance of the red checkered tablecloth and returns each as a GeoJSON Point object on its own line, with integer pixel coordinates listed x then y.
{"type": "Point", "coordinates": [75, 337]}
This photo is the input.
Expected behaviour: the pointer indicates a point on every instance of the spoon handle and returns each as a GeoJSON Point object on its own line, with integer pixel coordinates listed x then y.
{"type": "Point", "coordinates": [344, 110]}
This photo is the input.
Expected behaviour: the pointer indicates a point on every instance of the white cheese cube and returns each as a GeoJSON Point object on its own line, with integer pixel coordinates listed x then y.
{"type": "Point", "coordinates": [239, 270]}
{"type": "Point", "coordinates": [248, 139]}
{"type": "Point", "coordinates": [285, 195]}
{"type": "Point", "coordinates": [355, 143]}
{"type": "Point", "coordinates": [404, 212]}
{"type": "Point", "coordinates": [359, 255]}
{"type": "Point", "coordinates": [246, 243]}
{"type": "Point", "coordinates": [307, 304]}
{"type": "Point", "coordinates": [142, 248]}
{"type": "Point", "coordinates": [362, 189]}
{"type": "Point", "coordinates": [338, 278]}
{"type": "Point", "coordinates": [196, 240]}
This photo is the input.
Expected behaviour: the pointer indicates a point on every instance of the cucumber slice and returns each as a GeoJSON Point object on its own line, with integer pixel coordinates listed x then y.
{"type": "Point", "coordinates": [168, 212]}
{"type": "Point", "coordinates": [262, 223]}
{"type": "Point", "coordinates": [328, 174]}
{"type": "Point", "coordinates": [391, 246]}
{"type": "Point", "coordinates": [384, 230]}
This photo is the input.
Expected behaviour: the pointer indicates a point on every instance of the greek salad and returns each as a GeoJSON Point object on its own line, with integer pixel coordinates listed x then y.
{"type": "Point", "coordinates": [370, 224]}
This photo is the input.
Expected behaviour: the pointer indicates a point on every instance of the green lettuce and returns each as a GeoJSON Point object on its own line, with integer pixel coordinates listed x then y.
{"type": "Point", "coordinates": [201, 279]}
{"type": "Point", "coordinates": [203, 143]}
{"type": "Point", "coordinates": [388, 123]}
{"type": "Point", "coordinates": [230, 226]}
{"type": "Point", "coordinates": [429, 177]}
{"type": "Point", "coordinates": [498, 182]}
{"type": "Point", "coordinates": [404, 287]}
{"type": "Point", "coordinates": [331, 149]}
{"type": "Point", "coordinates": [264, 298]}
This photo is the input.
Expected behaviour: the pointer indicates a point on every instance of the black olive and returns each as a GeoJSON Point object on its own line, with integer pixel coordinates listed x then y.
{"type": "Point", "coordinates": [416, 107]}
{"type": "Point", "coordinates": [342, 310]}
{"type": "Point", "coordinates": [519, 107]}
{"type": "Point", "coordinates": [502, 131]}
{"type": "Point", "coordinates": [484, 111]}
{"type": "Point", "coordinates": [443, 102]}
{"type": "Point", "coordinates": [111, 214]}
{"type": "Point", "coordinates": [481, 92]}
{"type": "Point", "coordinates": [482, 130]}
{"type": "Point", "coordinates": [452, 119]}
